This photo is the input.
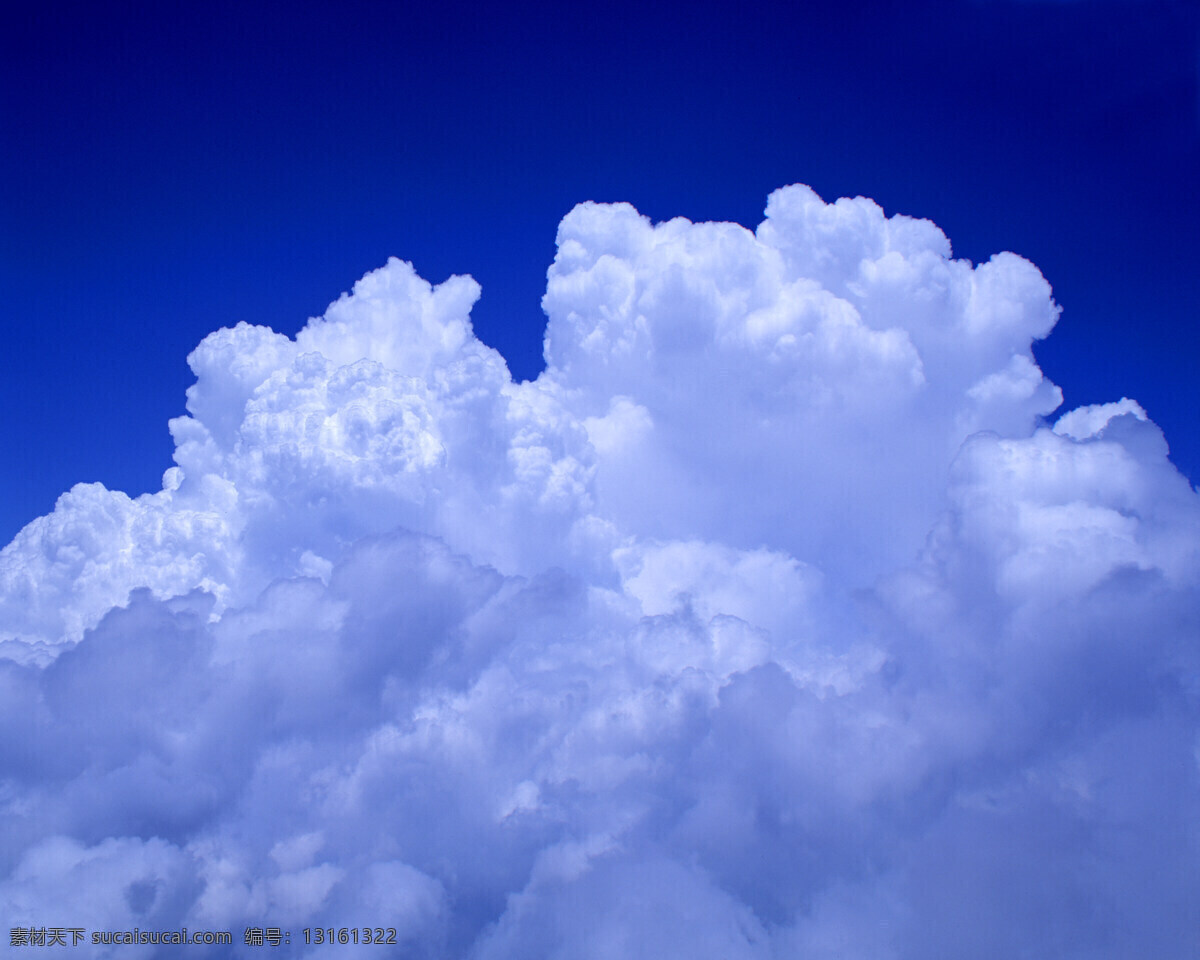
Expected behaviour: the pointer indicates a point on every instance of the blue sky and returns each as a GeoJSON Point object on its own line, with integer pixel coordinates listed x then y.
{"type": "Point", "coordinates": [171, 170]}
{"type": "Point", "coordinates": [788, 611]}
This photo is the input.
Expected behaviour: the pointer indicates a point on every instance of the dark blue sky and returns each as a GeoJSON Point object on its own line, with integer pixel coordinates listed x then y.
{"type": "Point", "coordinates": [170, 169]}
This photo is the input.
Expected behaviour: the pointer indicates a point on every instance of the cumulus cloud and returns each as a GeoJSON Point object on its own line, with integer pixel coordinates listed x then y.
{"type": "Point", "coordinates": [772, 619]}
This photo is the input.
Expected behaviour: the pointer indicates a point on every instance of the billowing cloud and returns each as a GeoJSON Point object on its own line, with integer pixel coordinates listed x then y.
{"type": "Point", "coordinates": [773, 619]}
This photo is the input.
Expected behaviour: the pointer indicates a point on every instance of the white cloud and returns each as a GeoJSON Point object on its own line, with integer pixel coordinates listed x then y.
{"type": "Point", "coordinates": [771, 619]}
{"type": "Point", "coordinates": [1083, 423]}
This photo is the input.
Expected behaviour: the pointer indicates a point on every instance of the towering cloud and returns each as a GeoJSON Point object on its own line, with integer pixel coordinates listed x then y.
{"type": "Point", "coordinates": [771, 620]}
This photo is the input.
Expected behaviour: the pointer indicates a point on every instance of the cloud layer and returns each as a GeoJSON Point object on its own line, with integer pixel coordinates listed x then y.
{"type": "Point", "coordinates": [771, 620]}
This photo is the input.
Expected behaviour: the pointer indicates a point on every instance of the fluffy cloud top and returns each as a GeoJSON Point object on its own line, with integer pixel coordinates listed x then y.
{"type": "Point", "coordinates": [771, 620]}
